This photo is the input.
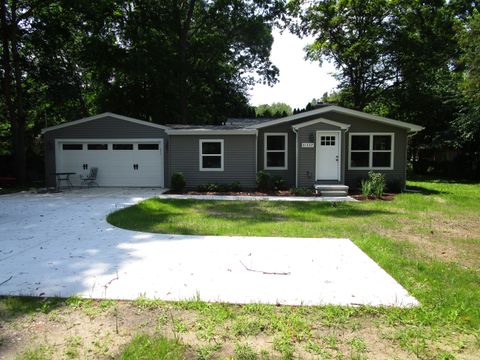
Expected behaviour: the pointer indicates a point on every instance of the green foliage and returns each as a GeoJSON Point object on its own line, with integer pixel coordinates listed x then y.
{"type": "Point", "coordinates": [158, 347]}
{"type": "Point", "coordinates": [302, 191]}
{"type": "Point", "coordinates": [214, 187]}
{"type": "Point", "coordinates": [374, 185]}
{"type": "Point", "coordinates": [275, 110]}
{"type": "Point", "coordinates": [264, 181]}
{"type": "Point", "coordinates": [40, 353]}
{"type": "Point", "coordinates": [178, 182]}
{"type": "Point", "coordinates": [366, 186]}
{"type": "Point", "coordinates": [278, 183]}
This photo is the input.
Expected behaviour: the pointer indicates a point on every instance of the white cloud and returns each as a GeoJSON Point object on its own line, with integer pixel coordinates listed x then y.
{"type": "Point", "coordinates": [300, 80]}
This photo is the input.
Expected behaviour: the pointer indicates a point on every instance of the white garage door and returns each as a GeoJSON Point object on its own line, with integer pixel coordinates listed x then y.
{"type": "Point", "coordinates": [119, 162]}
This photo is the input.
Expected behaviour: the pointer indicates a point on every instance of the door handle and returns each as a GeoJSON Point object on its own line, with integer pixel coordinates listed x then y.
{"type": "Point", "coordinates": [336, 158]}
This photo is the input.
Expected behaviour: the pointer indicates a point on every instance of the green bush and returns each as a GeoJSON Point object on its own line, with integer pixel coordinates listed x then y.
{"type": "Point", "coordinates": [302, 191]}
{"type": "Point", "coordinates": [366, 187]}
{"type": "Point", "coordinates": [374, 184]}
{"type": "Point", "coordinates": [178, 182]}
{"type": "Point", "coordinates": [278, 183]}
{"type": "Point", "coordinates": [214, 187]}
{"type": "Point", "coordinates": [264, 181]}
{"type": "Point", "coordinates": [235, 186]}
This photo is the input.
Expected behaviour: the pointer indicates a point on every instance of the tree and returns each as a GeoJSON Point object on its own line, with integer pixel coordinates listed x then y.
{"type": "Point", "coordinates": [467, 120]}
{"type": "Point", "coordinates": [352, 34]}
{"type": "Point", "coordinates": [274, 110]}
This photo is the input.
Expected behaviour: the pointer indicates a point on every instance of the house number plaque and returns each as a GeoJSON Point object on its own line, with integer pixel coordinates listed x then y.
{"type": "Point", "coordinates": [308, 145]}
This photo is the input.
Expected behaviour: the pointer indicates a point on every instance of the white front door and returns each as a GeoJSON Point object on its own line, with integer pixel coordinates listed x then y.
{"type": "Point", "coordinates": [328, 155]}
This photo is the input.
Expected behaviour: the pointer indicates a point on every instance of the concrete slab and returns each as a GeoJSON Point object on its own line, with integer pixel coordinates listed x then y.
{"type": "Point", "coordinates": [258, 198]}
{"type": "Point", "coordinates": [61, 245]}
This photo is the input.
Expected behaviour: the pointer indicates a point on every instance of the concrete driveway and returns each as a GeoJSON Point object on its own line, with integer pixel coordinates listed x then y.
{"type": "Point", "coordinates": [61, 245]}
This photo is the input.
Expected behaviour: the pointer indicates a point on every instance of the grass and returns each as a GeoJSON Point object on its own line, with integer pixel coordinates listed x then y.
{"type": "Point", "coordinates": [155, 348]}
{"type": "Point", "coordinates": [428, 241]}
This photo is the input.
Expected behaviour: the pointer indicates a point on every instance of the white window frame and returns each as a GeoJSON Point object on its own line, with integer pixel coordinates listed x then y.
{"type": "Point", "coordinates": [201, 155]}
{"type": "Point", "coordinates": [370, 151]}
{"type": "Point", "coordinates": [265, 151]}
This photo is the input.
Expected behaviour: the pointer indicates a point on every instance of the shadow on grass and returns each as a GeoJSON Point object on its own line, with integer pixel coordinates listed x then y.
{"type": "Point", "coordinates": [193, 217]}
{"type": "Point", "coordinates": [15, 306]}
{"type": "Point", "coordinates": [424, 191]}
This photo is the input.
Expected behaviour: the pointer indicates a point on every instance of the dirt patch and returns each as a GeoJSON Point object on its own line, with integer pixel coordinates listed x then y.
{"type": "Point", "coordinates": [453, 239]}
{"type": "Point", "coordinates": [101, 332]}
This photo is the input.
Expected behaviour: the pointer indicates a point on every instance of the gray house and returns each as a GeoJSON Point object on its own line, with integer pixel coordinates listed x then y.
{"type": "Point", "coordinates": [330, 145]}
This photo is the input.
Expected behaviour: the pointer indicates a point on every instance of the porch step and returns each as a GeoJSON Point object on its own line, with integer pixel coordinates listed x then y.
{"type": "Point", "coordinates": [331, 190]}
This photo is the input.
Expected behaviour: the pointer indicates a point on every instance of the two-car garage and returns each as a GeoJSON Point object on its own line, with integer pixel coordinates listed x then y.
{"type": "Point", "coordinates": [121, 162]}
{"type": "Point", "coordinates": [126, 151]}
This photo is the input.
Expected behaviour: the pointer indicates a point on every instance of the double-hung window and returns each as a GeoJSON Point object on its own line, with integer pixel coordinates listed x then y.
{"type": "Point", "coordinates": [276, 148]}
{"type": "Point", "coordinates": [371, 151]}
{"type": "Point", "coordinates": [211, 155]}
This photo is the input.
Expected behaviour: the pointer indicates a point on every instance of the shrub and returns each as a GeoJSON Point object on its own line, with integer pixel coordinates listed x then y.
{"type": "Point", "coordinates": [278, 183]}
{"type": "Point", "coordinates": [264, 182]}
{"type": "Point", "coordinates": [366, 187]}
{"type": "Point", "coordinates": [235, 186]}
{"type": "Point", "coordinates": [178, 182]}
{"type": "Point", "coordinates": [302, 191]}
{"type": "Point", "coordinates": [214, 187]}
{"type": "Point", "coordinates": [374, 184]}
{"type": "Point", "coordinates": [378, 183]}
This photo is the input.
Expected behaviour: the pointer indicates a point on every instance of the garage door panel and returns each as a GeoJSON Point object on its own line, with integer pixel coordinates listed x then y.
{"type": "Point", "coordinates": [115, 161]}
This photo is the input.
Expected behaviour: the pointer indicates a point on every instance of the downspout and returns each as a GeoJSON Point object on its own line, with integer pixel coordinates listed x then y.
{"type": "Point", "coordinates": [409, 134]}
{"type": "Point", "coordinates": [296, 155]}
{"type": "Point", "coordinates": [256, 152]}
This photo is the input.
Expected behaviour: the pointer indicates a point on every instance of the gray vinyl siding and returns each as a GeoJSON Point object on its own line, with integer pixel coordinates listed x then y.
{"type": "Point", "coordinates": [102, 128]}
{"type": "Point", "coordinates": [238, 161]}
{"type": "Point", "coordinates": [289, 174]}
{"type": "Point", "coordinates": [307, 156]}
{"type": "Point", "coordinates": [398, 173]}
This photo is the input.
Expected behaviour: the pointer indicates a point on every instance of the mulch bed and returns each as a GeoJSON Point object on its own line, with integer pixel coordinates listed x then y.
{"type": "Point", "coordinates": [384, 197]}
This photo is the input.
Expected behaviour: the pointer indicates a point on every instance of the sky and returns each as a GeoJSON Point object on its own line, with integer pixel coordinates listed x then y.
{"type": "Point", "coordinates": [300, 80]}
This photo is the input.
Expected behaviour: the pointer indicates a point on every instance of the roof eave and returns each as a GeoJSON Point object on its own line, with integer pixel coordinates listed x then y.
{"type": "Point", "coordinates": [99, 116]}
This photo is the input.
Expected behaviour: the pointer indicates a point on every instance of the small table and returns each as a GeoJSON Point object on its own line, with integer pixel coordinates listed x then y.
{"type": "Point", "coordinates": [63, 176]}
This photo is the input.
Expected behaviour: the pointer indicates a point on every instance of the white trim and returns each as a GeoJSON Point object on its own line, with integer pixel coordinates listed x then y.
{"type": "Point", "coordinates": [339, 147]}
{"type": "Point", "coordinates": [342, 110]}
{"type": "Point", "coordinates": [370, 151]}
{"type": "Point", "coordinates": [201, 155]}
{"type": "Point", "coordinates": [285, 135]}
{"type": "Point", "coordinates": [202, 132]}
{"type": "Point", "coordinates": [99, 116]}
{"type": "Point", "coordinates": [322, 120]}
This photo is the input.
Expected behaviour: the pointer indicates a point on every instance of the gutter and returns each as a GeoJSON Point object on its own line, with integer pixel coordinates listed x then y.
{"type": "Point", "coordinates": [211, 132]}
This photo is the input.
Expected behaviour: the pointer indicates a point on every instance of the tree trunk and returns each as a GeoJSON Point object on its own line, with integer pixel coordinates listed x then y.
{"type": "Point", "coordinates": [19, 136]}
{"type": "Point", "coordinates": [184, 28]}
{"type": "Point", "coordinates": [7, 76]}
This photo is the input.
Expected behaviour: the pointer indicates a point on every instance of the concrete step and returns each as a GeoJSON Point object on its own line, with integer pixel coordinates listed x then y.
{"type": "Point", "coordinates": [333, 193]}
{"type": "Point", "coordinates": [331, 189]}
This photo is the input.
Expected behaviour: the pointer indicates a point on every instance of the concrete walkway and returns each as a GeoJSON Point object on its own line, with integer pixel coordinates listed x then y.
{"type": "Point", "coordinates": [265, 198]}
{"type": "Point", "coordinates": [61, 245]}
